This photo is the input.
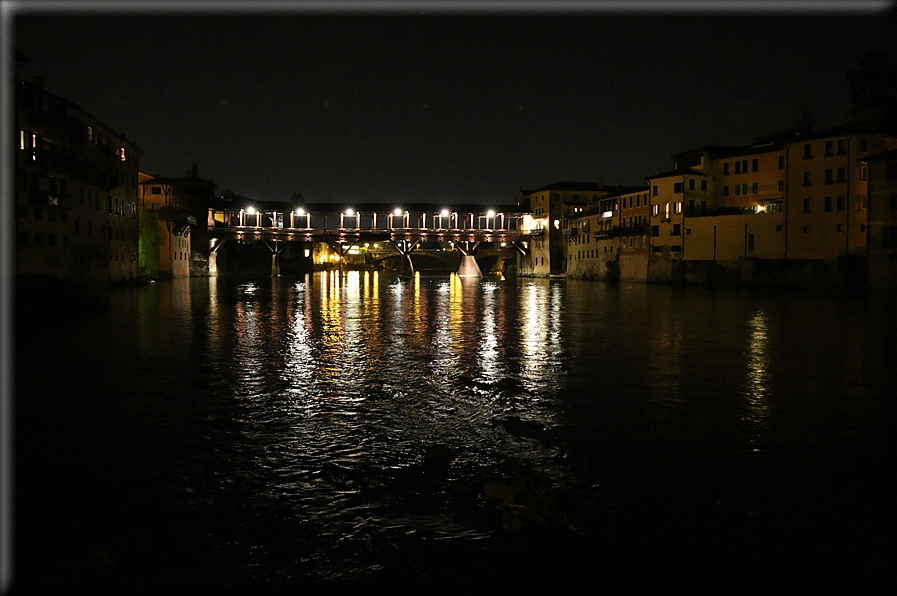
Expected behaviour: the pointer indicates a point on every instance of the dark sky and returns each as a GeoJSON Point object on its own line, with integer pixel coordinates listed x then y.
{"type": "Point", "coordinates": [441, 107]}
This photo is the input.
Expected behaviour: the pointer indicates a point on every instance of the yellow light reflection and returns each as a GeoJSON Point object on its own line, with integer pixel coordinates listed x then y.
{"type": "Point", "coordinates": [757, 374]}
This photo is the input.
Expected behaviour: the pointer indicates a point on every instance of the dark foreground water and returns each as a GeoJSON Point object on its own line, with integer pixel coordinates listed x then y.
{"type": "Point", "coordinates": [440, 435]}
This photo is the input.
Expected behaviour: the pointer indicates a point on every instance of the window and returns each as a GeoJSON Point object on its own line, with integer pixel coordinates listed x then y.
{"type": "Point", "coordinates": [807, 178]}
{"type": "Point", "coordinates": [38, 239]}
{"type": "Point", "coordinates": [122, 155]}
{"type": "Point", "coordinates": [726, 169]}
{"type": "Point", "coordinates": [666, 211]}
{"type": "Point", "coordinates": [744, 166]}
{"type": "Point", "coordinates": [677, 187]}
{"type": "Point", "coordinates": [737, 190]}
{"type": "Point", "coordinates": [893, 202]}
{"type": "Point", "coordinates": [828, 176]}
{"type": "Point", "coordinates": [829, 147]}
{"type": "Point", "coordinates": [744, 188]}
{"type": "Point", "coordinates": [806, 229]}
{"type": "Point", "coordinates": [755, 165]}
{"type": "Point", "coordinates": [703, 185]}
{"type": "Point", "coordinates": [676, 231]}
{"type": "Point", "coordinates": [841, 150]}
{"type": "Point", "coordinates": [655, 230]}
{"type": "Point", "coordinates": [655, 210]}
{"type": "Point", "coordinates": [808, 153]}
{"type": "Point", "coordinates": [691, 184]}
{"type": "Point", "coordinates": [839, 228]}
{"type": "Point", "coordinates": [781, 162]}
{"type": "Point", "coordinates": [678, 207]}
{"type": "Point", "coordinates": [828, 204]}
{"type": "Point", "coordinates": [156, 190]}
{"type": "Point", "coordinates": [755, 188]}
{"type": "Point", "coordinates": [781, 186]}
{"type": "Point", "coordinates": [842, 175]}
{"type": "Point", "coordinates": [839, 203]}
{"type": "Point", "coordinates": [889, 237]}
{"type": "Point", "coordinates": [737, 167]}
{"type": "Point", "coordinates": [654, 190]}
{"type": "Point", "coordinates": [778, 227]}
{"type": "Point", "coordinates": [864, 172]}
{"type": "Point", "coordinates": [864, 145]}
{"type": "Point", "coordinates": [726, 191]}
{"type": "Point", "coordinates": [51, 240]}
{"type": "Point", "coordinates": [750, 243]}
{"type": "Point", "coordinates": [806, 205]}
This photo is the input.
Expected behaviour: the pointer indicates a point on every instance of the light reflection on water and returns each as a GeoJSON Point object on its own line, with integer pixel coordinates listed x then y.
{"type": "Point", "coordinates": [341, 425]}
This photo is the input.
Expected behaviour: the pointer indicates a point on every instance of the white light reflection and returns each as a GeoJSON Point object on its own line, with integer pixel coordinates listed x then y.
{"type": "Point", "coordinates": [757, 375]}
{"type": "Point", "coordinates": [534, 333]}
{"type": "Point", "coordinates": [488, 347]}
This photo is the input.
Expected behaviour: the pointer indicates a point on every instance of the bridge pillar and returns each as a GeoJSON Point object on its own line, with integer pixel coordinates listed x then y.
{"type": "Point", "coordinates": [215, 244]}
{"type": "Point", "coordinates": [469, 267]}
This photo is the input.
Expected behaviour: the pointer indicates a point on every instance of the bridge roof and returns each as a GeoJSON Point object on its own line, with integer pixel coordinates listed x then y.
{"type": "Point", "coordinates": [362, 207]}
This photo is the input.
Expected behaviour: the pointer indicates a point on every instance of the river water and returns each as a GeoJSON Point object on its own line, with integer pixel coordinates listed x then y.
{"type": "Point", "coordinates": [448, 435]}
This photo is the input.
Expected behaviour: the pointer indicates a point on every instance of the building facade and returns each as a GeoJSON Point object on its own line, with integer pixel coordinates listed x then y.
{"type": "Point", "coordinates": [174, 237]}
{"type": "Point", "coordinates": [880, 173]}
{"type": "Point", "coordinates": [554, 208]}
{"type": "Point", "coordinates": [76, 192]}
{"type": "Point", "coordinates": [799, 199]}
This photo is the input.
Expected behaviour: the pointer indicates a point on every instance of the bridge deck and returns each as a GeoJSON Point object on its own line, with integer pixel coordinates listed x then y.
{"type": "Point", "coordinates": [351, 225]}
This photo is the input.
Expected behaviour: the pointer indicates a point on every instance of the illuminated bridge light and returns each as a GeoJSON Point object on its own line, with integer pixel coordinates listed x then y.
{"type": "Point", "coordinates": [250, 210]}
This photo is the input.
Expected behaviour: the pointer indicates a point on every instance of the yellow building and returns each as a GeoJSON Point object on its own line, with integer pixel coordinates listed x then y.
{"type": "Point", "coordinates": [796, 200]}
{"type": "Point", "coordinates": [76, 192]}
{"type": "Point", "coordinates": [880, 173]}
{"type": "Point", "coordinates": [173, 225]}
{"type": "Point", "coordinates": [609, 240]}
{"type": "Point", "coordinates": [553, 208]}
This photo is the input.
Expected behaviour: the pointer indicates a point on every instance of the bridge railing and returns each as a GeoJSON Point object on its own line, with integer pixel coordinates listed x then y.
{"type": "Point", "coordinates": [301, 221]}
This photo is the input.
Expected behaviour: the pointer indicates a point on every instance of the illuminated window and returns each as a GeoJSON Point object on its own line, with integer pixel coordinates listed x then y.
{"type": "Point", "coordinates": [89, 133]}
{"type": "Point", "coordinates": [121, 153]}
{"type": "Point", "coordinates": [22, 145]}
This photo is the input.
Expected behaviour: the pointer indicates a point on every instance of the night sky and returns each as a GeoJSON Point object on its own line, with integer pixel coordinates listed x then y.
{"type": "Point", "coordinates": [439, 107]}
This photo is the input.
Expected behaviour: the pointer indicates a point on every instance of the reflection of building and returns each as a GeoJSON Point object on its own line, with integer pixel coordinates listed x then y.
{"type": "Point", "coordinates": [76, 192]}
{"type": "Point", "coordinates": [174, 238]}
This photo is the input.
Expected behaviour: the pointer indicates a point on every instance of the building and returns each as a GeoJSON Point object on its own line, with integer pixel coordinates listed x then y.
{"type": "Point", "coordinates": [76, 192]}
{"type": "Point", "coordinates": [609, 240]}
{"type": "Point", "coordinates": [553, 209]}
{"type": "Point", "coordinates": [788, 208]}
{"type": "Point", "coordinates": [880, 172]}
{"type": "Point", "coordinates": [174, 236]}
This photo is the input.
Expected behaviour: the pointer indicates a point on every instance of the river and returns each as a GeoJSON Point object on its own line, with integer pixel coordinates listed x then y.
{"type": "Point", "coordinates": [451, 435]}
